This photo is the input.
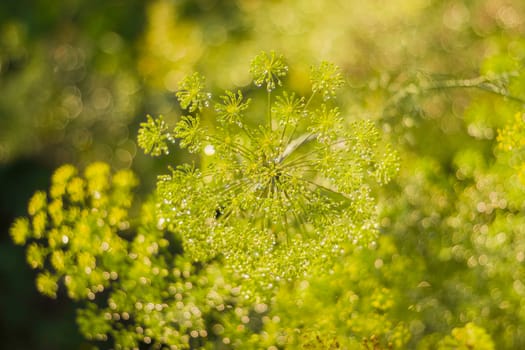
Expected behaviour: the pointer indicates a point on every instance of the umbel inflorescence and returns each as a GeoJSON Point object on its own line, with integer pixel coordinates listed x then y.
{"type": "Point", "coordinates": [283, 188]}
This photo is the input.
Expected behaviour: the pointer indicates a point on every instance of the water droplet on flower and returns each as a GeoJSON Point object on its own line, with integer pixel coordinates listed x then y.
{"type": "Point", "coordinates": [209, 150]}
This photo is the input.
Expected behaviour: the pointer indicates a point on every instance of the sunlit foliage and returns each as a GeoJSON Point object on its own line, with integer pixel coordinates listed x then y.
{"type": "Point", "coordinates": [287, 227]}
{"type": "Point", "coordinates": [133, 288]}
{"type": "Point", "coordinates": [73, 235]}
{"type": "Point", "coordinates": [277, 195]}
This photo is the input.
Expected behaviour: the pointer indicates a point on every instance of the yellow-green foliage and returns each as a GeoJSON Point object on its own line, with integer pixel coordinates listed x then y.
{"type": "Point", "coordinates": [287, 180]}
{"type": "Point", "coordinates": [282, 195]}
{"type": "Point", "coordinates": [270, 240]}
{"type": "Point", "coordinates": [340, 308]}
{"type": "Point", "coordinates": [466, 338]}
{"type": "Point", "coordinates": [511, 139]}
{"type": "Point", "coordinates": [134, 285]}
{"type": "Point", "coordinates": [289, 230]}
{"type": "Point", "coordinates": [76, 234]}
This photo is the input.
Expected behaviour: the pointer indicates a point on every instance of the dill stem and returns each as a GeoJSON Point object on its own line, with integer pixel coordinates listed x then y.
{"type": "Point", "coordinates": [234, 146]}
{"type": "Point", "coordinates": [270, 127]}
{"type": "Point", "coordinates": [305, 111]}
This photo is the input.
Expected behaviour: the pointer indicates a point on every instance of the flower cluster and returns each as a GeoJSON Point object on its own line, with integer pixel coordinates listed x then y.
{"type": "Point", "coordinates": [511, 140]}
{"type": "Point", "coordinates": [153, 136]}
{"type": "Point", "coordinates": [281, 195]}
{"type": "Point", "coordinates": [132, 285]}
{"type": "Point", "coordinates": [268, 68]}
{"type": "Point", "coordinates": [69, 233]}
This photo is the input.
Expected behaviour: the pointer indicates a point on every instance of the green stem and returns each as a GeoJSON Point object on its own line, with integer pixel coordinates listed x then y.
{"type": "Point", "coordinates": [483, 83]}
{"type": "Point", "coordinates": [234, 146]}
{"type": "Point", "coordinates": [306, 155]}
{"type": "Point", "coordinates": [305, 109]}
{"type": "Point", "coordinates": [309, 100]}
{"type": "Point", "coordinates": [270, 110]}
{"type": "Point", "coordinates": [327, 189]}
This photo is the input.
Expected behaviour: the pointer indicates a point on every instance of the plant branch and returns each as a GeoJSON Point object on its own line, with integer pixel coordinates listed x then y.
{"type": "Point", "coordinates": [484, 83]}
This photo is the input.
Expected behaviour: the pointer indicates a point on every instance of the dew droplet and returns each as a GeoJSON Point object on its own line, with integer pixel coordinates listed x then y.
{"type": "Point", "coordinates": [209, 150]}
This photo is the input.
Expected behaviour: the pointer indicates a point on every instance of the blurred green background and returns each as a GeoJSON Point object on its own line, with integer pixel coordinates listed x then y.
{"type": "Point", "coordinates": [78, 76]}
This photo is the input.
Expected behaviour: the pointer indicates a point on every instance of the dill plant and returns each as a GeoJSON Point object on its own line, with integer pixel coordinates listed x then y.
{"type": "Point", "coordinates": [285, 188]}
{"type": "Point", "coordinates": [131, 284]}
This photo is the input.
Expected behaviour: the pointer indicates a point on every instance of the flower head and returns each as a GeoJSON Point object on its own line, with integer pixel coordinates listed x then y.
{"type": "Point", "coordinates": [289, 108]}
{"type": "Point", "coordinates": [191, 93]}
{"type": "Point", "coordinates": [275, 198]}
{"type": "Point", "coordinates": [326, 79]}
{"type": "Point", "coordinates": [189, 131]}
{"type": "Point", "coordinates": [268, 68]}
{"type": "Point", "coordinates": [153, 136]}
{"type": "Point", "coordinates": [232, 108]}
